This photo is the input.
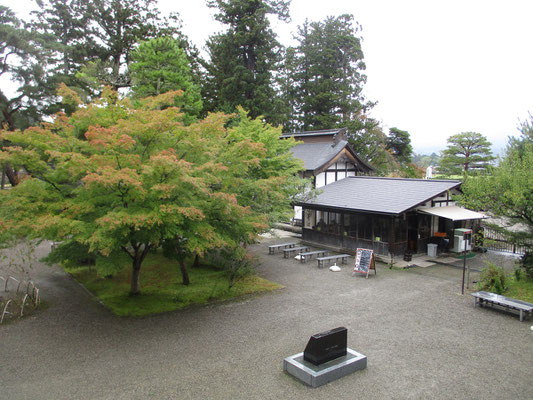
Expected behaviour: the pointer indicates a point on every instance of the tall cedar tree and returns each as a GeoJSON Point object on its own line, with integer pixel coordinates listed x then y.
{"type": "Point", "coordinates": [467, 152]}
{"type": "Point", "coordinates": [327, 71]}
{"type": "Point", "coordinates": [244, 58]}
{"type": "Point", "coordinates": [322, 83]}
{"type": "Point", "coordinates": [161, 65]}
{"type": "Point", "coordinates": [123, 180]}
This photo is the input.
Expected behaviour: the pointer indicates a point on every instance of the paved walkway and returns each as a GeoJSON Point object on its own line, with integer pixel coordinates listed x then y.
{"type": "Point", "coordinates": [422, 339]}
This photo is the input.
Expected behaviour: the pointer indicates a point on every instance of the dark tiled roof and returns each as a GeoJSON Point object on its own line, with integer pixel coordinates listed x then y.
{"type": "Point", "coordinates": [380, 195]}
{"type": "Point", "coordinates": [312, 133]}
{"type": "Point", "coordinates": [315, 155]}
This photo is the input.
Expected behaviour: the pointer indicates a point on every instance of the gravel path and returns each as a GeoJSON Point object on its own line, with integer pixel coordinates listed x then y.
{"type": "Point", "coordinates": [423, 339]}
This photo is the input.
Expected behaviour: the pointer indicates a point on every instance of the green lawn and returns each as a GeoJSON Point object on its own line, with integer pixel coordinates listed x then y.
{"type": "Point", "coordinates": [161, 288]}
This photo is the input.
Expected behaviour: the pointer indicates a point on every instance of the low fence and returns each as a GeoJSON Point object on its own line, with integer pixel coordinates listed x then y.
{"type": "Point", "coordinates": [13, 305]}
{"type": "Point", "coordinates": [497, 241]}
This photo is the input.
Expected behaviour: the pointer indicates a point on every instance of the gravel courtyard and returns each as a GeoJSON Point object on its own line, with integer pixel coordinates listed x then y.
{"type": "Point", "coordinates": [423, 339]}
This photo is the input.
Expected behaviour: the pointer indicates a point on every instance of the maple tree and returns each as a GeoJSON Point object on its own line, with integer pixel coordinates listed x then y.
{"type": "Point", "coordinates": [123, 180]}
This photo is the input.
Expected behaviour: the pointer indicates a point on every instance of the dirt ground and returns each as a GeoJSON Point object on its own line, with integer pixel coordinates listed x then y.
{"type": "Point", "coordinates": [423, 339]}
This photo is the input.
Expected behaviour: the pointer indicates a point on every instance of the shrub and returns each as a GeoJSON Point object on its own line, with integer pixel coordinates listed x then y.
{"type": "Point", "coordinates": [517, 274]}
{"type": "Point", "coordinates": [237, 263]}
{"type": "Point", "coordinates": [527, 264]}
{"type": "Point", "coordinates": [70, 254]}
{"type": "Point", "coordinates": [492, 279]}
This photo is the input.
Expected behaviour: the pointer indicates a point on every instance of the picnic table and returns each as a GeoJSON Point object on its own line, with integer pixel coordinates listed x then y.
{"type": "Point", "coordinates": [493, 299]}
{"type": "Point", "coordinates": [287, 252]}
{"type": "Point", "coordinates": [274, 247]}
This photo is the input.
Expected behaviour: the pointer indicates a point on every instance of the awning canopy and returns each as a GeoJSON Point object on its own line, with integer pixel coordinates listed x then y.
{"type": "Point", "coordinates": [455, 213]}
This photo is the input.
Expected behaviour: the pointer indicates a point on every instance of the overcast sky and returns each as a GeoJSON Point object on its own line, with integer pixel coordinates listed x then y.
{"type": "Point", "coordinates": [436, 68]}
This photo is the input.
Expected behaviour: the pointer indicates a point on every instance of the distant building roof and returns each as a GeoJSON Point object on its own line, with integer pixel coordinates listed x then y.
{"type": "Point", "coordinates": [317, 155]}
{"type": "Point", "coordinates": [325, 132]}
{"type": "Point", "coordinates": [379, 195]}
{"type": "Point", "coordinates": [314, 155]}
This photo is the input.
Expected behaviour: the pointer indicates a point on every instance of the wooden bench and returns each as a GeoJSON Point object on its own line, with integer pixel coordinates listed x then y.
{"type": "Point", "coordinates": [311, 254]}
{"type": "Point", "coordinates": [343, 257]}
{"type": "Point", "coordinates": [287, 252]}
{"type": "Point", "coordinates": [274, 247]}
{"type": "Point", "coordinates": [494, 299]}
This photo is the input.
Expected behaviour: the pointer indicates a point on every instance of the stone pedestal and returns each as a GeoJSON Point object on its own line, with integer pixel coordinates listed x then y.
{"type": "Point", "coordinates": [318, 375]}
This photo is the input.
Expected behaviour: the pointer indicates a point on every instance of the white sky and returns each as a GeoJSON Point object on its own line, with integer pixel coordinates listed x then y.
{"type": "Point", "coordinates": [436, 68]}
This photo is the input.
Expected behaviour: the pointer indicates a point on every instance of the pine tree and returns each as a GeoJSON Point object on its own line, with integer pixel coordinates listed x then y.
{"type": "Point", "coordinates": [467, 152]}
{"type": "Point", "coordinates": [160, 65]}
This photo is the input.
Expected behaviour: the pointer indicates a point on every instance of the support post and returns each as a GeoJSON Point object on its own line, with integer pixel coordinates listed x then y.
{"type": "Point", "coordinates": [464, 267]}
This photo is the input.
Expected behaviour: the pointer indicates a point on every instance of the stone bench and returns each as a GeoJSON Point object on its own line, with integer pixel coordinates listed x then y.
{"type": "Point", "coordinates": [494, 299]}
{"type": "Point", "coordinates": [336, 257]}
{"type": "Point", "coordinates": [287, 252]}
{"type": "Point", "coordinates": [274, 247]}
{"type": "Point", "coordinates": [310, 254]}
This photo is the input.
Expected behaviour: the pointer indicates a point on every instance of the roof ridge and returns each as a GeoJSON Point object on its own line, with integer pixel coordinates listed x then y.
{"type": "Point", "coordinates": [310, 132]}
{"type": "Point", "coordinates": [405, 179]}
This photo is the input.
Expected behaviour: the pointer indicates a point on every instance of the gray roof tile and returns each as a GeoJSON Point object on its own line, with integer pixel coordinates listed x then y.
{"type": "Point", "coordinates": [314, 155]}
{"type": "Point", "coordinates": [380, 195]}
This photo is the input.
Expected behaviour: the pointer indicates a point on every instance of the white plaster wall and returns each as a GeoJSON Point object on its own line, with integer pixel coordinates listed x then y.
{"type": "Point", "coordinates": [320, 180]}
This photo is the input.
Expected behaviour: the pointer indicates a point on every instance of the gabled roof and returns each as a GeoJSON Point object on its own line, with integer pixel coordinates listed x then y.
{"type": "Point", "coordinates": [317, 155]}
{"type": "Point", "coordinates": [324, 132]}
{"type": "Point", "coordinates": [379, 195]}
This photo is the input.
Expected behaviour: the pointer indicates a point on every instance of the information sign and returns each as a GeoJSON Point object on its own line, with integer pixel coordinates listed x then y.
{"type": "Point", "coordinates": [364, 261]}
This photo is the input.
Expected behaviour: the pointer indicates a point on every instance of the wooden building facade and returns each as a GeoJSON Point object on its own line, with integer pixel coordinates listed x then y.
{"type": "Point", "coordinates": [387, 215]}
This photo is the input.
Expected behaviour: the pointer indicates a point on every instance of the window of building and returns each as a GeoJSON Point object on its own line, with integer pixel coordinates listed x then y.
{"type": "Point", "coordinates": [309, 219]}
{"type": "Point", "coordinates": [364, 226]}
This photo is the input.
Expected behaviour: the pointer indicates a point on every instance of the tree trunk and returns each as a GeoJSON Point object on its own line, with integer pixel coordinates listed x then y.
{"type": "Point", "coordinates": [196, 263]}
{"type": "Point", "coordinates": [184, 273]}
{"type": "Point", "coordinates": [3, 180]}
{"type": "Point", "coordinates": [11, 175]}
{"type": "Point", "coordinates": [135, 287]}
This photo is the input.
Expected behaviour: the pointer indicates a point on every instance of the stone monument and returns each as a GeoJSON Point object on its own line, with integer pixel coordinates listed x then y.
{"type": "Point", "coordinates": [326, 358]}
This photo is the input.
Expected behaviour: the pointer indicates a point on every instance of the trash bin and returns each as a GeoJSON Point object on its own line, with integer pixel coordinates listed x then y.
{"type": "Point", "coordinates": [432, 250]}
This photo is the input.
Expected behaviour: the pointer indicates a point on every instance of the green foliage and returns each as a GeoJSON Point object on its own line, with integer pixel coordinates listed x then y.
{"type": "Point", "coordinates": [244, 58]}
{"type": "Point", "coordinates": [370, 143]}
{"type": "Point", "coordinates": [89, 44]}
{"type": "Point", "coordinates": [162, 289]}
{"type": "Point", "coordinates": [424, 160]}
{"type": "Point", "coordinates": [520, 289]}
{"type": "Point", "coordinates": [325, 76]}
{"type": "Point", "coordinates": [122, 179]}
{"type": "Point", "coordinates": [21, 62]}
{"type": "Point", "coordinates": [160, 65]}
{"type": "Point", "coordinates": [467, 152]}
{"type": "Point", "coordinates": [399, 143]}
{"type": "Point", "coordinates": [277, 166]}
{"type": "Point", "coordinates": [527, 264]}
{"type": "Point", "coordinates": [236, 263]}
{"type": "Point", "coordinates": [507, 193]}
{"type": "Point", "coordinates": [517, 274]}
{"type": "Point", "coordinates": [70, 254]}
{"type": "Point", "coordinates": [492, 279]}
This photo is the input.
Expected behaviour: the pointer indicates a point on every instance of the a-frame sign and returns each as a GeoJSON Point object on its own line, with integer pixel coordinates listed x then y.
{"type": "Point", "coordinates": [364, 262]}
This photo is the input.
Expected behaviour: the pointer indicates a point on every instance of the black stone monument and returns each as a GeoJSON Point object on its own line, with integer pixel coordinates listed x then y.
{"type": "Point", "coordinates": [326, 346]}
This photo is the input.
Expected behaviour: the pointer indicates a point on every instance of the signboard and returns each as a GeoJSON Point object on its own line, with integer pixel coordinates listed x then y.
{"type": "Point", "coordinates": [364, 261]}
